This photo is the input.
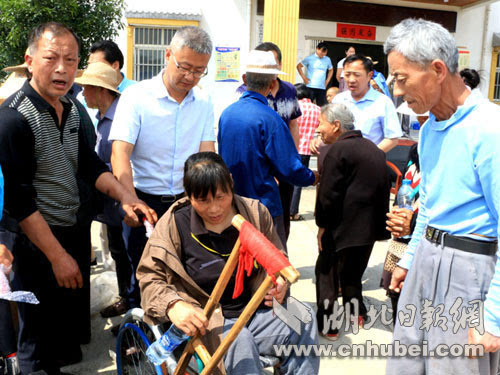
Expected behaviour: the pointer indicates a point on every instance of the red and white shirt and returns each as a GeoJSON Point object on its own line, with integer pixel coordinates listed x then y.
{"type": "Point", "coordinates": [308, 123]}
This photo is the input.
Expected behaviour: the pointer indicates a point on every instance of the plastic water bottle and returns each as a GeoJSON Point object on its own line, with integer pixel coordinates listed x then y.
{"type": "Point", "coordinates": [405, 197]}
{"type": "Point", "coordinates": [414, 130]}
{"type": "Point", "coordinates": [161, 350]}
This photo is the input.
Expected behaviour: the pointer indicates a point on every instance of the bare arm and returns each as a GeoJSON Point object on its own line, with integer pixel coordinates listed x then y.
{"type": "Point", "coordinates": [207, 146]}
{"type": "Point", "coordinates": [63, 265]}
{"type": "Point", "coordinates": [388, 144]}
{"type": "Point", "coordinates": [329, 77]}
{"type": "Point", "coordinates": [301, 73]}
{"type": "Point", "coordinates": [120, 162]}
{"type": "Point", "coordinates": [339, 72]}
{"type": "Point", "coordinates": [294, 131]}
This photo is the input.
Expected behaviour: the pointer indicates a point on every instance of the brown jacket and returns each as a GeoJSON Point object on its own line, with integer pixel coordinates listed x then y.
{"type": "Point", "coordinates": [163, 279]}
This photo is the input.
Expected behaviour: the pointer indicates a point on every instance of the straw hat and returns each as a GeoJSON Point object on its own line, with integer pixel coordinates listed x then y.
{"type": "Point", "coordinates": [262, 62]}
{"type": "Point", "coordinates": [101, 75]}
{"type": "Point", "coordinates": [405, 110]}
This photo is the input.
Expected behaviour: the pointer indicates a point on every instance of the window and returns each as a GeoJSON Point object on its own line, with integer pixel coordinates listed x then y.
{"type": "Point", "coordinates": [149, 51]}
{"type": "Point", "coordinates": [494, 92]}
{"type": "Point", "coordinates": [147, 40]}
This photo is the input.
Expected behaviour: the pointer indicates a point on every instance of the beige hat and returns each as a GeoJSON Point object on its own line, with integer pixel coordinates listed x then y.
{"type": "Point", "coordinates": [262, 62]}
{"type": "Point", "coordinates": [20, 69]}
{"type": "Point", "coordinates": [100, 74]}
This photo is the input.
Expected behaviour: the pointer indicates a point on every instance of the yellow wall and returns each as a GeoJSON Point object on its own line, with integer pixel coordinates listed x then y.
{"type": "Point", "coordinates": [144, 22]}
{"type": "Point", "coordinates": [493, 71]}
{"type": "Point", "coordinates": [281, 26]}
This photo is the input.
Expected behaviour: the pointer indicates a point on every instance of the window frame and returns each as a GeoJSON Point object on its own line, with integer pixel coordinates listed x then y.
{"type": "Point", "coordinates": [133, 22]}
{"type": "Point", "coordinates": [494, 70]}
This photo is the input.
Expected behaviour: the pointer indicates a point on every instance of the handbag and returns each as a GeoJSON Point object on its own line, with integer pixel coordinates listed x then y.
{"type": "Point", "coordinates": [395, 252]}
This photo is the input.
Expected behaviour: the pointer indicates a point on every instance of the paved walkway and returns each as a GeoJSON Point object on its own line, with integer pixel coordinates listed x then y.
{"type": "Point", "coordinates": [98, 357]}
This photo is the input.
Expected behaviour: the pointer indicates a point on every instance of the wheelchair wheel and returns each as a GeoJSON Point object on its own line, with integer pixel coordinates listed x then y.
{"type": "Point", "coordinates": [133, 340]}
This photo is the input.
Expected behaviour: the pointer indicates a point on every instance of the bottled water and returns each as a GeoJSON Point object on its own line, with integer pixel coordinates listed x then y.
{"type": "Point", "coordinates": [405, 197]}
{"type": "Point", "coordinates": [414, 130]}
{"type": "Point", "coordinates": [161, 350]}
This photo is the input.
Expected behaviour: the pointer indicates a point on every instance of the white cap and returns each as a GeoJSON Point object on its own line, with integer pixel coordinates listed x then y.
{"type": "Point", "coordinates": [405, 110]}
{"type": "Point", "coordinates": [262, 62]}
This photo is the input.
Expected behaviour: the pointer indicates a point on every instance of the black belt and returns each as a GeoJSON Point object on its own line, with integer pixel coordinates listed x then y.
{"type": "Point", "coordinates": [159, 198]}
{"type": "Point", "coordinates": [460, 243]}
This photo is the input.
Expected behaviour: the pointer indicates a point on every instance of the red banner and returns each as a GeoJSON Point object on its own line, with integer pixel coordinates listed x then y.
{"type": "Point", "coordinates": [346, 30]}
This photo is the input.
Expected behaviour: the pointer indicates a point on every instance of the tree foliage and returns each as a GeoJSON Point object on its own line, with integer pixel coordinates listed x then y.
{"type": "Point", "coordinates": [92, 20]}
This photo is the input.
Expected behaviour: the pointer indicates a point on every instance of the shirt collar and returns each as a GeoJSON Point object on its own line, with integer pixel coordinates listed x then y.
{"type": "Point", "coordinates": [371, 95]}
{"type": "Point", "coordinates": [110, 113]}
{"type": "Point", "coordinates": [254, 95]}
{"type": "Point", "coordinates": [462, 111]}
{"type": "Point", "coordinates": [39, 102]}
{"type": "Point", "coordinates": [305, 100]}
{"type": "Point", "coordinates": [162, 92]}
{"type": "Point", "coordinates": [350, 134]}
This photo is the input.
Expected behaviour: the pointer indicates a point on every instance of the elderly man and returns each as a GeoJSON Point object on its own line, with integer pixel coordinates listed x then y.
{"type": "Point", "coordinates": [108, 52]}
{"type": "Point", "coordinates": [374, 112]}
{"type": "Point", "coordinates": [256, 144]}
{"type": "Point", "coordinates": [42, 150]}
{"type": "Point", "coordinates": [159, 123]}
{"type": "Point", "coordinates": [100, 83]}
{"type": "Point", "coordinates": [450, 264]}
{"type": "Point", "coordinates": [353, 199]}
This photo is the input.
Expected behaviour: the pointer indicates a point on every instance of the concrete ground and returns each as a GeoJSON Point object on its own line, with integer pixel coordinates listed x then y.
{"type": "Point", "coordinates": [98, 356]}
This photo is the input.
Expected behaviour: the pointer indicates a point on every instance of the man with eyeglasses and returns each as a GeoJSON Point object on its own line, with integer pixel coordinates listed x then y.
{"type": "Point", "coordinates": [158, 124]}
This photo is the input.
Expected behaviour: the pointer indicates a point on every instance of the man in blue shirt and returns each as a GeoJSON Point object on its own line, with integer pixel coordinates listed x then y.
{"type": "Point", "coordinates": [450, 264]}
{"type": "Point", "coordinates": [374, 113]}
{"type": "Point", "coordinates": [256, 144]}
{"type": "Point", "coordinates": [319, 73]}
{"type": "Point", "coordinates": [158, 124]}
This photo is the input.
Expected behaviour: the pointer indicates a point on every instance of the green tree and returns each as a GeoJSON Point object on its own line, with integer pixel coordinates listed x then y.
{"type": "Point", "coordinates": [91, 20]}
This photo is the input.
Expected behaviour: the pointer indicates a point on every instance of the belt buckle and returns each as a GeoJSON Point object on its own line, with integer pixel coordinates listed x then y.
{"type": "Point", "coordinates": [429, 233]}
{"type": "Point", "coordinates": [167, 198]}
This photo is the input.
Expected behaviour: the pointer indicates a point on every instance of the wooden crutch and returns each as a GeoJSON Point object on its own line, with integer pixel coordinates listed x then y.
{"type": "Point", "coordinates": [195, 344]}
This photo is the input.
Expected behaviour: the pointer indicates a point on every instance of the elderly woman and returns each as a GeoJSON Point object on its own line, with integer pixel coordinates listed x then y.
{"type": "Point", "coordinates": [185, 256]}
{"type": "Point", "coordinates": [352, 202]}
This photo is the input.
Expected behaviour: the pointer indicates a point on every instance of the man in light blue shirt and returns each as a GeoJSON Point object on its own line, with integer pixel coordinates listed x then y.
{"type": "Point", "coordinates": [451, 262]}
{"type": "Point", "coordinates": [158, 124]}
{"type": "Point", "coordinates": [319, 73]}
{"type": "Point", "coordinates": [374, 113]}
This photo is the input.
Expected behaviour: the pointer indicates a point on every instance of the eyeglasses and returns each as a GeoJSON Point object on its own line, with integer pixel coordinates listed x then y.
{"type": "Point", "coordinates": [187, 72]}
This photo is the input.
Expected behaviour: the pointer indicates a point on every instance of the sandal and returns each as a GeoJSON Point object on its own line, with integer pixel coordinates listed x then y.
{"type": "Point", "coordinates": [296, 217]}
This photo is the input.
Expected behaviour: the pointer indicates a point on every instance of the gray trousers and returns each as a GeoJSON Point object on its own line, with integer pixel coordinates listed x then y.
{"type": "Point", "coordinates": [257, 339]}
{"type": "Point", "coordinates": [441, 275]}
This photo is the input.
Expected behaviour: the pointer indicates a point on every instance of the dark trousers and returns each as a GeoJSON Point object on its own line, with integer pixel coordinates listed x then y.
{"type": "Point", "coordinates": [8, 343]}
{"type": "Point", "coordinates": [119, 254]}
{"type": "Point", "coordinates": [135, 240]}
{"type": "Point", "coordinates": [294, 205]}
{"type": "Point", "coordinates": [318, 96]}
{"type": "Point", "coordinates": [54, 329]}
{"type": "Point", "coordinates": [286, 192]}
{"type": "Point", "coordinates": [344, 268]}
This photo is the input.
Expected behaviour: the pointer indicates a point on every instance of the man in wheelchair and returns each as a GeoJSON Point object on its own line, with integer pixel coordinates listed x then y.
{"type": "Point", "coordinates": [184, 258]}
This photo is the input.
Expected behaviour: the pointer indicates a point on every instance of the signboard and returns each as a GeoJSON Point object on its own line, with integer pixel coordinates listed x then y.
{"type": "Point", "coordinates": [348, 30]}
{"type": "Point", "coordinates": [463, 58]}
{"type": "Point", "coordinates": [227, 64]}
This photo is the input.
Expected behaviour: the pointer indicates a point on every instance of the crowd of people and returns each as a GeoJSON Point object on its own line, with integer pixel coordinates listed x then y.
{"type": "Point", "coordinates": [146, 155]}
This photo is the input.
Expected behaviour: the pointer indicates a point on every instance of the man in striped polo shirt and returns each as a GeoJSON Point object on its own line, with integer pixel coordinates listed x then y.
{"type": "Point", "coordinates": [43, 152]}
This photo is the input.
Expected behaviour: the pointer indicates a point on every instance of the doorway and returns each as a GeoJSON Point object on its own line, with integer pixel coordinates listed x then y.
{"type": "Point", "coordinates": [336, 52]}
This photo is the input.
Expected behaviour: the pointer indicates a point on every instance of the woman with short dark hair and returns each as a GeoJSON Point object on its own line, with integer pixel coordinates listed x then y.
{"type": "Point", "coordinates": [185, 256]}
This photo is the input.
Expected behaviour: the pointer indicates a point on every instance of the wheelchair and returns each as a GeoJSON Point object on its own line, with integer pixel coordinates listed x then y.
{"type": "Point", "coordinates": [134, 338]}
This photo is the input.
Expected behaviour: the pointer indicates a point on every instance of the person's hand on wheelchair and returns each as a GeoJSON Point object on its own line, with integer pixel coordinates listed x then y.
{"type": "Point", "coordinates": [188, 318]}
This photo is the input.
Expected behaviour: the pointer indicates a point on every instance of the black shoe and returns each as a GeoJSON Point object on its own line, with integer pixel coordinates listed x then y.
{"type": "Point", "coordinates": [70, 358]}
{"type": "Point", "coordinates": [118, 308]}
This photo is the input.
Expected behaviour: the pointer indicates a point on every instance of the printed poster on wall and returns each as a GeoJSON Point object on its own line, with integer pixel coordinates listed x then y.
{"type": "Point", "coordinates": [346, 30]}
{"type": "Point", "coordinates": [227, 63]}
